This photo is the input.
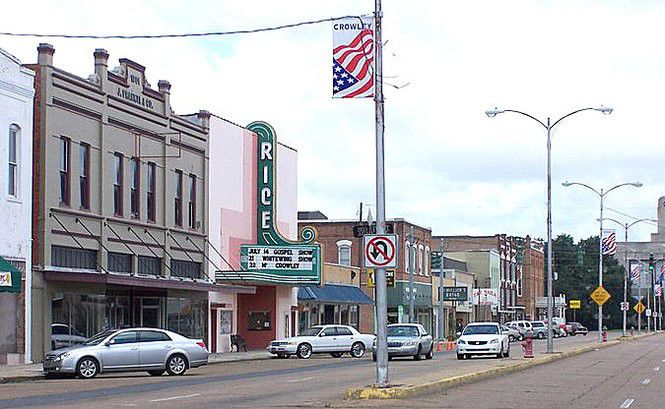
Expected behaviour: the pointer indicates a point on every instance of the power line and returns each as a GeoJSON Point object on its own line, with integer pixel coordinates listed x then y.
{"type": "Point", "coordinates": [182, 35]}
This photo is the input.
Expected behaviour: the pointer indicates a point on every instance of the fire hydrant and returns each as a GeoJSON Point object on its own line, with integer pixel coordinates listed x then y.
{"type": "Point", "coordinates": [527, 345]}
{"type": "Point", "coordinates": [632, 331]}
{"type": "Point", "coordinates": [604, 334]}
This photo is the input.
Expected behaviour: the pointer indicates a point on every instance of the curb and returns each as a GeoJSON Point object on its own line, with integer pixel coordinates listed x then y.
{"type": "Point", "coordinates": [404, 391]}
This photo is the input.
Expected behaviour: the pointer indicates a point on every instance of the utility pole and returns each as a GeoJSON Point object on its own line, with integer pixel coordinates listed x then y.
{"type": "Point", "coordinates": [649, 299]}
{"type": "Point", "coordinates": [441, 309]}
{"type": "Point", "coordinates": [600, 269]}
{"type": "Point", "coordinates": [412, 264]}
{"type": "Point", "coordinates": [381, 290]}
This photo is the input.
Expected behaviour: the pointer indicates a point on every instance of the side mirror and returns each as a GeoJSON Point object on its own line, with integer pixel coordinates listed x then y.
{"type": "Point", "coordinates": [458, 333]}
{"type": "Point", "coordinates": [109, 343]}
{"type": "Point", "coordinates": [322, 334]}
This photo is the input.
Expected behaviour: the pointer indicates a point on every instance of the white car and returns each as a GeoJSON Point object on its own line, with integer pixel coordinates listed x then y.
{"type": "Point", "coordinates": [332, 339]}
{"type": "Point", "coordinates": [483, 338]}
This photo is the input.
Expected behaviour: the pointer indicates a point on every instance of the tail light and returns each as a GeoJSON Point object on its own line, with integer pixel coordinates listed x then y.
{"type": "Point", "coordinates": [201, 344]}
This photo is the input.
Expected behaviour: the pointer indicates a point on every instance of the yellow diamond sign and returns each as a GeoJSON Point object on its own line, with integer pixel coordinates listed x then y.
{"type": "Point", "coordinates": [639, 307]}
{"type": "Point", "coordinates": [600, 295]}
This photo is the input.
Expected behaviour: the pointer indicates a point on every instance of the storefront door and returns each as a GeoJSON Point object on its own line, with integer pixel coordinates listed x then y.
{"type": "Point", "coordinates": [225, 329]}
{"type": "Point", "coordinates": [150, 312]}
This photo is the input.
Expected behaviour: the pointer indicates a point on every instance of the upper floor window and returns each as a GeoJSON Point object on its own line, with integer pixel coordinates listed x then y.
{"type": "Point", "coordinates": [426, 262]}
{"type": "Point", "coordinates": [65, 160]}
{"type": "Point", "coordinates": [135, 198]}
{"type": "Point", "coordinates": [12, 181]}
{"type": "Point", "coordinates": [344, 252]}
{"type": "Point", "coordinates": [177, 211]}
{"type": "Point", "coordinates": [420, 260]}
{"type": "Point", "coordinates": [117, 183]}
{"type": "Point", "coordinates": [84, 176]}
{"type": "Point", "coordinates": [407, 256]}
{"type": "Point", "coordinates": [192, 201]}
{"type": "Point", "coordinates": [152, 185]}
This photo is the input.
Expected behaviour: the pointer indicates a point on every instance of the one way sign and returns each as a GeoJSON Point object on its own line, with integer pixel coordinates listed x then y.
{"type": "Point", "coordinates": [380, 250]}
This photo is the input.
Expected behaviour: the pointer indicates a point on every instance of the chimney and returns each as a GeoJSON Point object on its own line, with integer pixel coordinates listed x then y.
{"type": "Point", "coordinates": [205, 118]}
{"type": "Point", "coordinates": [45, 52]}
{"type": "Point", "coordinates": [165, 89]}
{"type": "Point", "coordinates": [101, 62]}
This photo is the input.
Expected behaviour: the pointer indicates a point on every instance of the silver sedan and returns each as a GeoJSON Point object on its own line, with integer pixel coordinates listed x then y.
{"type": "Point", "coordinates": [134, 349]}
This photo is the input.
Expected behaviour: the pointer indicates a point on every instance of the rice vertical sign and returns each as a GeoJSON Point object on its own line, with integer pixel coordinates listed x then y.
{"type": "Point", "coordinates": [275, 259]}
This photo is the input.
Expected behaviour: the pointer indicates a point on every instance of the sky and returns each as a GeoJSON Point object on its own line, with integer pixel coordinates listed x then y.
{"type": "Point", "coordinates": [448, 166]}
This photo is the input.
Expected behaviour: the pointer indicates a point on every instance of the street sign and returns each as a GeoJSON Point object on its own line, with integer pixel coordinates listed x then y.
{"type": "Point", "coordinates": [600, 295]}
{"type": "Point", "coordinates": [625, 306]}
{"type": "Point", "coordinates": [360, 230]}
{"type": "Point", "coordinates": [371, 278]}
{"type": "Point", "coordinates": [455, 294]}
{"type": "Point", "coordinates": [380, 250]}
{"type": "Point", "coordinates": [575, 304]}
{"type": "Point", "coordinates": [648, 312]}
{"type": "Point", "coordinates": [639, 307]}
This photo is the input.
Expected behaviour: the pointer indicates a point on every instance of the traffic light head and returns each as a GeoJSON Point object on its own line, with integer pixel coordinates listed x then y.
{"type": "Point", "coordinates": [652, 263]}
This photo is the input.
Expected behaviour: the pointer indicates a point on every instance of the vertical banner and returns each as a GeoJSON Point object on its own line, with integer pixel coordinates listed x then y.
{"type": "Point", "coordinates": [635, 270]}
{"type": "Point", "coordinates": [609, 242]}
{"type": "Point", "coordinates": [353, 58]}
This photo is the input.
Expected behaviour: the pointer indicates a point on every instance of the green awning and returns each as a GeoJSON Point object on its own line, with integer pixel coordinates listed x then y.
{"type": "Point", "coordinates": [10, 277]}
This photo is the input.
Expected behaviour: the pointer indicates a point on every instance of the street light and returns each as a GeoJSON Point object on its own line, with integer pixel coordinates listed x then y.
{"type": "Point", "coordinates": [626, 273]}
{"type": "Point", "coordinates": [549, 126]}
{"type": "Point", "coordinates": [601, 193]}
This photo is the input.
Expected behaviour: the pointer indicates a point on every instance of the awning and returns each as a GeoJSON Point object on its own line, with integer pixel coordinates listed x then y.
{"type": "Point", "coordinates": [10, 277]}
{"type": "Point", "coordinates": [334, 294]}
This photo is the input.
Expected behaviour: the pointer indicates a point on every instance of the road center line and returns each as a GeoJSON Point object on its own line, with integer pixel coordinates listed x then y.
{"type": "Point", "coordinates": [309, 378]}
{"type": "Point", "coordinates": [646, 381]}
{"type": "Point", "coordinates": [626, 404]}
{"type": "Point", "coordinates": [175, 397]}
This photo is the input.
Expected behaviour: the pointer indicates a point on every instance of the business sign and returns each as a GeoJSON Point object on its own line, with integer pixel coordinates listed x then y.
{"type": "Point", "coordinates": [485, 296]}
{"type": "Point", "coordinates": [5, 279]}
{"type": "Point", "coordinates": [371, 278]}
{"type": "Point", "coordinates": [559, 302]}
{"type": "Point", "coordinates": [380, 250]}
{"type": "Point", "coordinates": [360, 230]}
{"type": "Point", "coordinates": [575, 304]}
{"type": "Point", "coordinates": [455, 294]}
{"type": "Point", "coordinates": [274, 258]}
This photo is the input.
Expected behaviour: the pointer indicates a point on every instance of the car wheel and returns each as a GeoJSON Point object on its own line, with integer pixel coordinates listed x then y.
{"type": "Point", "coordinates": [541, 335]}
{"type": "Point", "coordinates": [304, 351]}
{"type": "Point", "coordinates": [156, 372]}
{"type": "Point", "coordinates": [520, 338]}
{"type": "Point", "coordinates": [357, 350]}
{"type": "Point", "coordinates": [507, 354]}
{"type": "Point", "coordinates": [87, 368]}
{"type": "Point", "coordinates": [336, 354]}
{"type": "Point", "coordinates": [418, 354]}
{"type": "Point", "coordinates": [430, 354]}
{"type": "Point", "coordinates": [511, 338]}
{"type": "Point", "coordinates": [460, 356]}
{"type": "Point", "coordinates": [176, 365]}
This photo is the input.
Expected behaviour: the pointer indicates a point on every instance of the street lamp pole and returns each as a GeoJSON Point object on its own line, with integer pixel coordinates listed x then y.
{"type": "Point", "coordinates": [626, 273]}
{"type": "Point", "coordinates": [549, 126]}
{"type": "Point", "coordinates": [601, 193]}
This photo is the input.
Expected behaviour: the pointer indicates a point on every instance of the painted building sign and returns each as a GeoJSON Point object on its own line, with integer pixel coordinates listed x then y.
{"type": "Point", "coordinates": [275, 259]}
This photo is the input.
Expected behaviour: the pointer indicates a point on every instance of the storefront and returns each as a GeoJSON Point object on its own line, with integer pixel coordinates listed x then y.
{"type": "Point", "coordinates": [330, 304]}
{"type": "Point", "coordinates": [398, 303]}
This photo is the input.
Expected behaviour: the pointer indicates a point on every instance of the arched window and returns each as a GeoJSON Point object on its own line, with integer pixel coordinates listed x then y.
{"type": "Point", "coordinates": [344, 252]}
{"type": "Point", "coordinates": [427, 261]}
{"type": "Point", "coordinates": [420, 260]}
{"type": "Point", "coordinates": [407, 256]}
{"type": "Point", "coordinates": [12, 180]}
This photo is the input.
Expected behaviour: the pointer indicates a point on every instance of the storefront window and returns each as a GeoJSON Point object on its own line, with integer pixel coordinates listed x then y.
{"type": "Point", "coordinates": [187, 317]}
{"type": "Point", "coordinates": [76, 317]}
{"type": "Point", "coordinates": [345, 315]}
{"type": "Point", "coordinates": [259, 321]}
{"type": "Point", "coordinates": [353, 316]}
{"type": "Point", "coordinates": [303, 322]}
{"type": "Point", "coordinates": [314, 315]}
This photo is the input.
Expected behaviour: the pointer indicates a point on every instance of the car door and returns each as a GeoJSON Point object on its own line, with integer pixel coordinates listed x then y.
{"type": "Point", "coordinates": [344, 339]}
{"type": "Point", "coordinates": [327, 340]}
{"type": "Point", "coordinates": [121, 352]}
{"type": "Point", "coordinates": [154, 346]}
{"type": "Point", "coordinates": [425, 339]}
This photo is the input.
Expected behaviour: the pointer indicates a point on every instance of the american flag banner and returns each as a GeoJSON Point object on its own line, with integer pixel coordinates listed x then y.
{"type": "Point", "coordinates": [609, 242]}
{"type": "Point", "coordinates": [353, 58]}
{"type": "Point", "coordinates": [635, 271]}
{"type": "Point", "coordinates": [661, 271]}
{"type": "Point", "coordinates": [657, 290]}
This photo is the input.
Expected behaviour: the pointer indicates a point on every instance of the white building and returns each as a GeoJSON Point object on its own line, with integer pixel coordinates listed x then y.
{"type": "Point", "coordinates": [16, 108]}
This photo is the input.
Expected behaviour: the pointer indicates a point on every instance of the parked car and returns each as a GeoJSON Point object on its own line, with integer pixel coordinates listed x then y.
{"type": "Point", "coordinates": [522, 326]}
{"type": "Point", "coordinates": [63, 336]}
{"type": "Point", "coordinates": [513, 333]}
{"type": "Point", "coordinates": [408, 340]}
{"type": "Point", "coordinates": [539, 329]}
{"type": "Point", "coordinates": [578, 328]}
{"type": "Point", "coordinates": [332, 339]}
{"type": "Point", "coordinates": [133, 349]}
{"type": "Point", "coordinates": [557, 331]}
{"type": "Point", "coordinates": [561, 322]}
{"type": "Point", "coordinates": [482, 338]}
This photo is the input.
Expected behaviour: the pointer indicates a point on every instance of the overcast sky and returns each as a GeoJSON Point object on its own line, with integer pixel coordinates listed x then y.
{"type": "Point", "coordinates": [448, 166]}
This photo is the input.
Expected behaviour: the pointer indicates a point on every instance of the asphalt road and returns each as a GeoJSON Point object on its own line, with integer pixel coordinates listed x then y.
{"type": "Point", "coordinates": [630, 375]}
{"type": "Point", "coordinates": [320, 381]}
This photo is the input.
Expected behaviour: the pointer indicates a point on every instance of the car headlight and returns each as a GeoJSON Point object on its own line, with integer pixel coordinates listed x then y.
{"type": "Point", "coordinates": [494, 341]}
{"type": "Point", "coordinates": [461, 341]}
{"type": "Point", "coordinates": [62, 356]}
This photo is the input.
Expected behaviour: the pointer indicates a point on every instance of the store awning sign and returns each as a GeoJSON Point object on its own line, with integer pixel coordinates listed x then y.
{"type": "Point", "coordinates": [274, 258]}
{"type": "Point", "coordinates": [10, 277]}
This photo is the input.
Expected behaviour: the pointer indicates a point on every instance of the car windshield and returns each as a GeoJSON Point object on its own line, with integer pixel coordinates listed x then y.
{"type": "Point", "coordinates": [481, 329]}
{"type": "Point", "coordinates": [96, 339]}
{"type": "Point", "coordinates": [403, 331]}
{"type": "Point", "coordinates": [537, 324]}
{"type": "Point", "coordinates": [311, 332]}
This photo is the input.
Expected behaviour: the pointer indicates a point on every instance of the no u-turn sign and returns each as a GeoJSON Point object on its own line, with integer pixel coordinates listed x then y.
{"type": "Point", "coordinates": [380, 250]}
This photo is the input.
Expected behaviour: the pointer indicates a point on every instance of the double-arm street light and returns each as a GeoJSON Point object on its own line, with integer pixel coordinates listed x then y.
{"type": "Point", "coordinates": [601, 193]}
{"type": "Point", "coordinates": [626, 273]}
{"type": "Point", "coordinates": [548, 126]}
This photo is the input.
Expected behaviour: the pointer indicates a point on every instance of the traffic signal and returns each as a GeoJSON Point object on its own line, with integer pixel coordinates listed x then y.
{"type": "Point", "coordinates": [652, 263]}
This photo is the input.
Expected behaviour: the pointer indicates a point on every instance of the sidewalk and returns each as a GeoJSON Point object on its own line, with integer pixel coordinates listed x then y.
{"type": "Point", "coordinates": [22, 373]}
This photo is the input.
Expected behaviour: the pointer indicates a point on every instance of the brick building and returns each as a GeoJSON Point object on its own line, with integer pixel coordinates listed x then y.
{"type": "Point", "coordinates": [532, 282]}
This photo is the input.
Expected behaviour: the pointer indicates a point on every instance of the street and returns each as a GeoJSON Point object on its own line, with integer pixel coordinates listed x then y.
{"type": "Point", "coordinates": [628, 375]}
{"type": "Point", "coordinates": [269, 383]}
